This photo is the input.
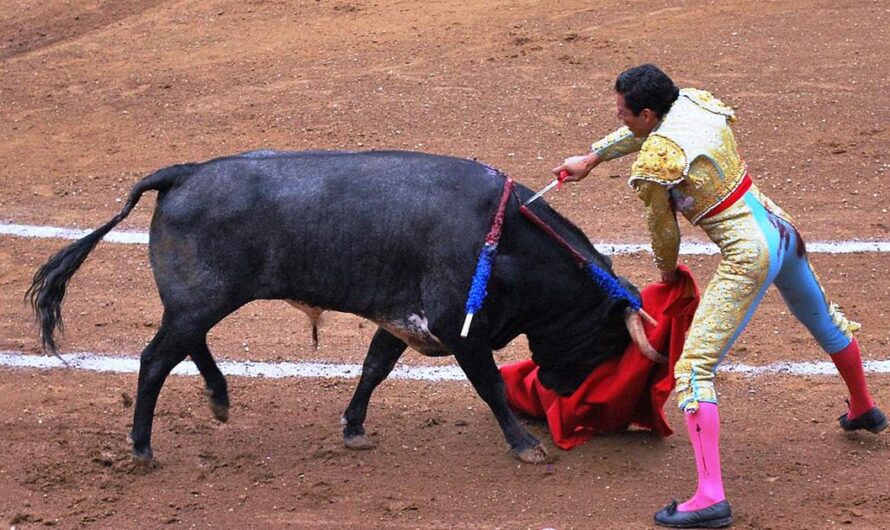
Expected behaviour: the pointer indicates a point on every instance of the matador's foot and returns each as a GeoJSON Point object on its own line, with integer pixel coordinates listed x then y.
{"type": "Point", "coordinates": [872, 421]}
{"type": "Point", "coordinates": [715, 516]}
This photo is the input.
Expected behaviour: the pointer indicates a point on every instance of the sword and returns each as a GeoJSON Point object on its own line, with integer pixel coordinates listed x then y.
{"type": "Point", "coordinates": [557, 182]}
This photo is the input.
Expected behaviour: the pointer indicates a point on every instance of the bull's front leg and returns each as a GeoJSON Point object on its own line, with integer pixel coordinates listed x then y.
{"type": "Point", "coordinates": [384, 351]}
{"type": "Point", "coordinates": [483, 373]}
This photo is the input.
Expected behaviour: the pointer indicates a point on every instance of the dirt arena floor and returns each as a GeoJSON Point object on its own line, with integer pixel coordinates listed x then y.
{"type": "Point", "coordinates": [97, 93]}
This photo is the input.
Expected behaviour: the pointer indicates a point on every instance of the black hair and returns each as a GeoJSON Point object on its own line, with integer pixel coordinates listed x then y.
{"type": "Point", "coordinates": [647, 87]}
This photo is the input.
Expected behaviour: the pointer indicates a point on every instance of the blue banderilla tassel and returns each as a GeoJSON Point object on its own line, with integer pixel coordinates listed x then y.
{"type": "Point", "coordinates": [479, 285]}
{"type": "Point", "coordinates": [611, 285]}
{"type": "Point", "coordinates": [483, 267]}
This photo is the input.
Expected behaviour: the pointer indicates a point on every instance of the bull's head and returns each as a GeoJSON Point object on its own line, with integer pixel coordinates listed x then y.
{"type": "Point", "coordinates": [570, 350]}
{"type": "Point", "coordinates": [577, 324]}
{"type": "Point", "coordinates": [564, 380]}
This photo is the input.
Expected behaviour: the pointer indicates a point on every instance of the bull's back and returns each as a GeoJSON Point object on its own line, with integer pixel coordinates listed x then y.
{"type": "Point", "coordinates": [356, 232]}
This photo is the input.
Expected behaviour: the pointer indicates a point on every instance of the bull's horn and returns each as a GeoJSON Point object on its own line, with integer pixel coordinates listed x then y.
{"type": "Point", "coordinates": [635, 327]}
{"type": "Point", "coordinates": [647, 317]}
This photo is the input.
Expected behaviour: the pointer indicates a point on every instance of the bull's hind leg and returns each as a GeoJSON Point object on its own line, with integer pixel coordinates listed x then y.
{"type": "Point", "coordinates": [486, 379]}
{"type": "Point", "coordinates": [215, 382]}
{"type": "Point", "coordinates": [172, 343]}
{"type": "Point", "coordinates": [382, 355]}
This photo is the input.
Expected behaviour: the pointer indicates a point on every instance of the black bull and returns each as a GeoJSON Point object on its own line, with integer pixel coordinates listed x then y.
{"type": "Point", "coordinates": [389, 236]}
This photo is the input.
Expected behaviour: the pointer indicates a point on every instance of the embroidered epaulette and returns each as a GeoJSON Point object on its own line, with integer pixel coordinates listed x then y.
{"type": "Point", "coordinates": [660, 160]}
{"type": "Point", "coordinates": [707, 101]}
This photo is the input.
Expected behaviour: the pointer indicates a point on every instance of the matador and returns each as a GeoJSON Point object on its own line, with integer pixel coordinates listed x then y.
{"type": "Point", "coordinates": [688, 161]}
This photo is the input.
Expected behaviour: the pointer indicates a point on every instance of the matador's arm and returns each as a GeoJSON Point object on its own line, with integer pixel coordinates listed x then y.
{"type": "Point", "coordinates": [616, 144]}
{"type": "Point", "coordinates": [662, 220]}
{"type": "Point", "coordinates": [659, 166]}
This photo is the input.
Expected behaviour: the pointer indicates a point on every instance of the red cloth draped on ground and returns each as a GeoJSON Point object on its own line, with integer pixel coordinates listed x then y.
{"type": "Point", "coordinates": [625, 391]}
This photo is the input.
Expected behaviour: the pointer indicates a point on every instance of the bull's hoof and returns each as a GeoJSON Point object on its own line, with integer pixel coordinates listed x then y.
{"type": "Point", "coordinates": [534, 455]}
{"type": "Point", "coordinates": [141, 466]}
{"type": "Point", "coordinates": [359, 442]}
{"type": "Point", "coordinates": [141, 451]}
{"type": "Point", "coordinates": [218, 404]}
{"type": "Point", "coordinates": [220, 412]}
{"type": "Point", "coordinates": [142, 461]}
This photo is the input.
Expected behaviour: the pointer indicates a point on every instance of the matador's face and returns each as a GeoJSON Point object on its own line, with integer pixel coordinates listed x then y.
{"type": "Point", "coordinates": [641, 124]}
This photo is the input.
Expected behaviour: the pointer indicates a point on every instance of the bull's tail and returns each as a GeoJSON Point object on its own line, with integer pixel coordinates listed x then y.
{"type": "Point", "coordinates": [50, 282]}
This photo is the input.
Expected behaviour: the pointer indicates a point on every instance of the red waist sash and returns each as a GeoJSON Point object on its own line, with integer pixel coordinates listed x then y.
{"type": "Point", "coordinates": [730, 199]}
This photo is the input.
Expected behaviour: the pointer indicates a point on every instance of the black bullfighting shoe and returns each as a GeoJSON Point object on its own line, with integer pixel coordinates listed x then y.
{"type": "Point", "coordinates": [714, 516]}
{"type": "Point", "coordinates": [872, 421]}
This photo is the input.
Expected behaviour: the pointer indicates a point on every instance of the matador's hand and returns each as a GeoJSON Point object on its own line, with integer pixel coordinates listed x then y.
{"type": "Point", "coordinates": [670, 277]}
{"type": "Point", "coordinates": [578, 167]}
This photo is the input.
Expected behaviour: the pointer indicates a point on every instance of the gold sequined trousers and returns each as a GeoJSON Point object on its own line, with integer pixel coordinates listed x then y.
{"type": "Point", "coordinates": [759, 246]}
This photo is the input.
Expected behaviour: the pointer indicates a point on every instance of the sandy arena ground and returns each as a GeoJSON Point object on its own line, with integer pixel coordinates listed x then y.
{"type": "Point", "coordinates": [97, 93]}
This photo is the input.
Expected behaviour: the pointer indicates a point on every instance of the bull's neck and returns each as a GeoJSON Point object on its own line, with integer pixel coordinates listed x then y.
{"type": "Point", "coordinates": [557, 305]}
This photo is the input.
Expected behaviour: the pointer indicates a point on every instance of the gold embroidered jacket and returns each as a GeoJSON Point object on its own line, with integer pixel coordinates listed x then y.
{"type": "Point", "coordinates": [688, 163]}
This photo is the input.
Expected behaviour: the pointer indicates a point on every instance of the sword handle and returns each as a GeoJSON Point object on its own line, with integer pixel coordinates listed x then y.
{"type": "Point", "coordinates": [563, 175]}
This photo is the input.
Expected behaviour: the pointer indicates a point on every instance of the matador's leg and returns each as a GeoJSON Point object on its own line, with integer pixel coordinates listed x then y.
{"type": "Point", "coordinates": [751, 259]}
{"type": "Point", "coordinates": [750, 246]}
{"type": "Point", "coordinates": [801, 289]}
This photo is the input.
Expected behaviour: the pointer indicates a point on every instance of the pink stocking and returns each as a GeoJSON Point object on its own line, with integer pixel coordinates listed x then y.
{"type": "Point", "coordinates": [703, 427]}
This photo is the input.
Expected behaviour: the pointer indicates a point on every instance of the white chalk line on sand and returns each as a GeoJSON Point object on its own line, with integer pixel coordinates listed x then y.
{"type": "Point", "coordinates": [92, 362]}
{"type": "Point", "coordinates": [130, 237]}
{"type": "Point", "coordinates": [117, 364]}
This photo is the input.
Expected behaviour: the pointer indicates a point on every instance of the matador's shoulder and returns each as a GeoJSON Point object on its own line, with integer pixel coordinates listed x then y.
{"type": "Point", "coordinates": [709, 102]}
{"type": "Point", "coordinates": [660, 160]}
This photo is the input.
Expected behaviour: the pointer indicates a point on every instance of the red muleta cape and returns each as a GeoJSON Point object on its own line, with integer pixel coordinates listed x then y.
{"type": "Point", "coordinates": [625, 391]}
